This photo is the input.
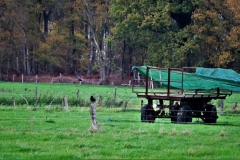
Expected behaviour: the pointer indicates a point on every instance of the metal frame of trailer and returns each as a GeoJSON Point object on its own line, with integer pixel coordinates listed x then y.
{"type": "Point", "coordinates": [175, 103]}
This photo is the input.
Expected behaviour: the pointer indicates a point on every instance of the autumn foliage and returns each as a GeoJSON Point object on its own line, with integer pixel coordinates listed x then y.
{"type": "Point", "coordinates": [111, 36]}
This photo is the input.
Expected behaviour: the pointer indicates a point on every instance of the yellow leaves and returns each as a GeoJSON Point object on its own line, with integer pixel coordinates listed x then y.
{"type": "Point", "coordinates": [44, 47]}
{"type": "Point", "coordinates": [79, 36]}
{"type": "Point", "coordinates": [210, 40]}
{"type": "Point", "coordinates": [211, 14]}
{"type": "Point", "coordinates": [53, 42]}
{"type": "Point", "coordinates": [233, 38]}
{"type": "Point", "coordinates": [221, 59]}
{"type": "Point", "coordinates": [225, 57]}
{"type": "Point", "coordinates": [198, 16]}
{"type": "Point", "coordinates": [55, 38]}
{"type": "Point", "coordinates": [234, 6]}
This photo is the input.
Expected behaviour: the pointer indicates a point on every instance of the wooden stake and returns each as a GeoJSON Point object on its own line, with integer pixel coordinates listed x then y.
{"type": "Point", "coordinates": [151, 83]}
{"type": "Point", "coordinates": [66, 103]}
{"type": "Point", "coordinates": [62, 104]}
{"type": "Point", "coordinates": [60, 77]}
{"type": "Point", "coordinates": [99, 102]}
{"type": "Point", "coordinates": [125, 105]}
{"type": "Point", "coordinates": [94, 125]}
{"type": "Point", "coordinates": [235, 105]}
{"type": "Point", "coordinates": [36, 95]}
{"type": "Point", "coordinates": [115, 94]}
{"type": "Point", "coordinates": [221, 106]}
{"type": "Point", "coordinates": [14, 104]}
{"type": "Point", "coordinates": [36, 92]}
{"type": "Point", "coordinates": [35, 105]}
{"type": "Point", "coordinates": [139, 79]}
{"type": "Point", "coordinates": [78, 94]}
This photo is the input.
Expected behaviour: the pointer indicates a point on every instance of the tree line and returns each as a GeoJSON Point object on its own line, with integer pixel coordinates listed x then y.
{"type": "Point", "coordinates": [110, 36]}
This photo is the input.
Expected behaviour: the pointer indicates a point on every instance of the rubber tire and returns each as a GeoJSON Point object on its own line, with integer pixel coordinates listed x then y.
{"type": "Point", "coordinates": [174, 111]}
{"type": "Point", "coordinates": [184, 115]}
{"type": "Point", "coordinates": [173, 120]}
{"type": "Point", "coordinates": [211, 115]}
{"type": "Point", "coordinates": [147, 115]}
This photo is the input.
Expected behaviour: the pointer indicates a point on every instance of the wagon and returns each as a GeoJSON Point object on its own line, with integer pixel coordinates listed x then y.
{"type": "Point", "coordinates": [182, 94]}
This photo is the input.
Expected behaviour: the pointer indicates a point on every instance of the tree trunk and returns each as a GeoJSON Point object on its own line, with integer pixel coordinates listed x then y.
{"type": "Point", "coordinates": [26, 59]}
{"type": "Point", "coordinates": [46, 15]}
{"type": "Point", "coordinates": [17, 66]}
{"type": "Point", "coordinates": [25, 53]}
{"type": "Point", "coordinates": [91, 56]}
{"type": "Point", "coordinates": [122, 59]}
{"type": "Point", "coordinates": [101, 51]}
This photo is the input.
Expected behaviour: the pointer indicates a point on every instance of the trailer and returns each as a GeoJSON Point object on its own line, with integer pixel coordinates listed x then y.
{"type": "Point", "coordinates": [181, 94]}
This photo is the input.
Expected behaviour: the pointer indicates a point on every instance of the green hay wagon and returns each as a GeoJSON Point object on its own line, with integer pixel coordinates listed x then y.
{"type": "Point", "coordinates": [182, 93]}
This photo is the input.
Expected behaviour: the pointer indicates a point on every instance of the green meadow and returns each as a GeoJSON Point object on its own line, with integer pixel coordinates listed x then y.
{"type": "Point", "coordinates": [51, 132]}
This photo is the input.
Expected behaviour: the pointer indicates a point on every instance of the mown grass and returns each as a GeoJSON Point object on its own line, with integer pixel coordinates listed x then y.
{"type": "Point", "coordinates": [27, 134]}
{"type": "Point", "coordinates": [52, 133]}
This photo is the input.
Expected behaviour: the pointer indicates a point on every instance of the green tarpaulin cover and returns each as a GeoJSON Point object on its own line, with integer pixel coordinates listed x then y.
{"type": "Point", "coordinates": [202, 79]}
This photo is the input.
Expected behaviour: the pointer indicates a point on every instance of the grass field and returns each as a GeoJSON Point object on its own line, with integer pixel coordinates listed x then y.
{"type": "Point", "coordinates": [51, 133]}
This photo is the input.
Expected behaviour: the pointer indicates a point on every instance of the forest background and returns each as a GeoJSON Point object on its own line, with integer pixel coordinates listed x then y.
{"type": "Point", "coordinates": [107, 37]}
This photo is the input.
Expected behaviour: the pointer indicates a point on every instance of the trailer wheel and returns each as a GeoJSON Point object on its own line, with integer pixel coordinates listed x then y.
{"type": "Point", "coordinates": [184, 115]}
{"type": "Point", "coordinates": [147, 114]}
{"type": "Point", "coordinates": [173, 113]}
{"type": "Point", "coordinates": [211, 114]}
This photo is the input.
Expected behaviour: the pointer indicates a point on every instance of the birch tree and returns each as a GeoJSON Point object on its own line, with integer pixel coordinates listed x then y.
{"type": "Point", "coordinates": [97, 18]}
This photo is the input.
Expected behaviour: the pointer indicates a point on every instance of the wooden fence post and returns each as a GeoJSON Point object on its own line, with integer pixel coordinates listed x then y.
{"type": "Point", "coordinates": [36, 92]}
{"type": "Point", "coordinates": [151, 83]}
{"type": "Point", "coordinates": [235, 105]}
{"type": "Point", "coordinates": [14, 104]}
{"type": "Point", "coordinates": [125, 105]}
{"type": "Point", "coordinates": [66, 103]}
{"type": "Point", "coordinates": [115, 94]}
{"type": "Point", "coordinates": [221, 106]}
{"type": "Point", "coordinates": [22, 78]}
{"type": "Point", "coordinates": [99, 102]}
{"type": "Point", "coordinates": [36, 78]}
{"type": "Point", "coordinates": [139, 79]}
{"type": "Point", "coordinates": [94, 125]}
{"type": "Point", "coordinates": [60, 78]}
{"type": "Point", "coordinates": [36, 95]}
{"type": "Point", "coordinates": [63, 104]}
{"type": "Point", "coordinates": [78, 94]}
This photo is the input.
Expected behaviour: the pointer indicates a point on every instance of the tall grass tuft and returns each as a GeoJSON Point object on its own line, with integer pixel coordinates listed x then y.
{"type": "Point", "coordinates": [223, 133]}
{"type": "Point", "coordinates": [185, 132]}
{"type": "Point", "coordinates": [174, 132]}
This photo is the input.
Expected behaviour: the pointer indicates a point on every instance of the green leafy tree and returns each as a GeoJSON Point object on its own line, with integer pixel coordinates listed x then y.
{"type": "Point", "coordinates": [233, 37]}
{"type": "Point", "coordinates": [212, 23]}
{"type": "Point", "coordinates": [157, 28]}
